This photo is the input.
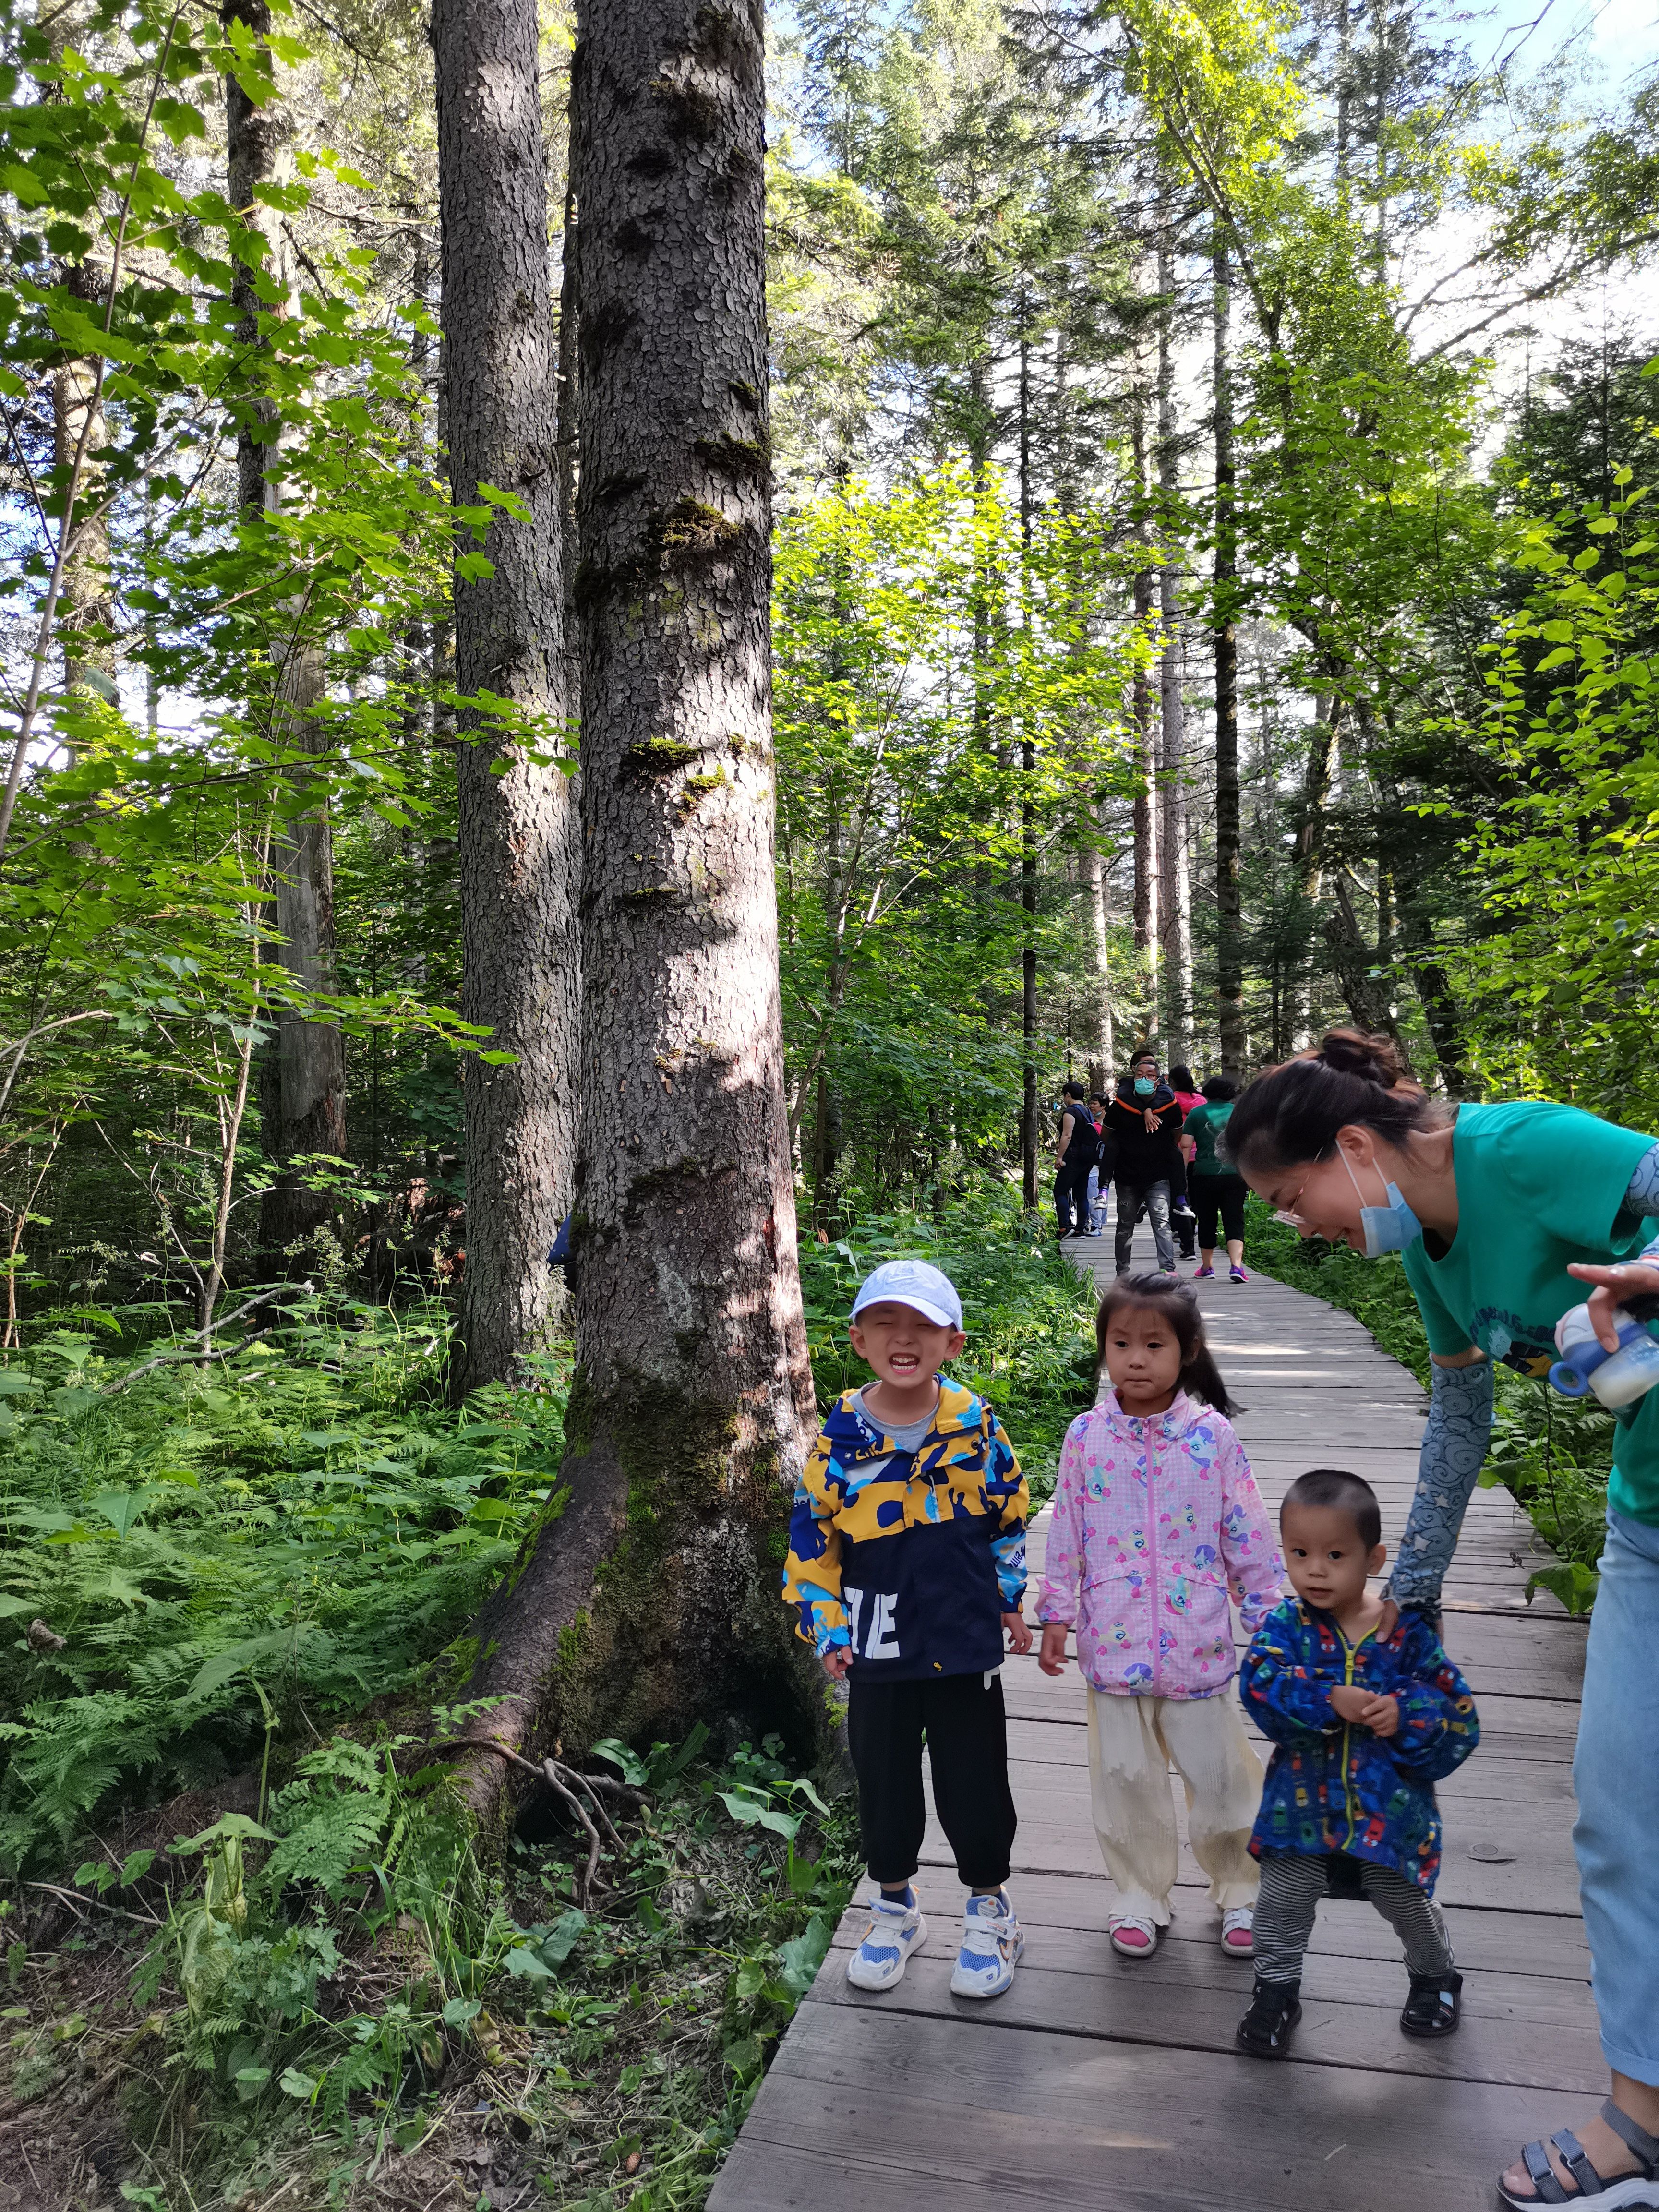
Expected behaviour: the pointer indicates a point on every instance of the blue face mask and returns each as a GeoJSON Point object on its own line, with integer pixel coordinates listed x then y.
{"type": "Point", "coordinates": [1388, 1228]}
{"type": "Point", "coordinates": [1144, 1086]}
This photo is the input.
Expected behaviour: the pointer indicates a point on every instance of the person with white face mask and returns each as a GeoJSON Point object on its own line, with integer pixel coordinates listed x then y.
{"type": "Point", "coordinates": [1502, 1213]}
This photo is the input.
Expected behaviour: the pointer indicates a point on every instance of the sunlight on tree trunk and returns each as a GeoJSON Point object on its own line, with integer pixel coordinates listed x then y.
{"type": "Point", "coordinates": [654, 1598]}
{"type": "Point", "coordinates": [517, 831]}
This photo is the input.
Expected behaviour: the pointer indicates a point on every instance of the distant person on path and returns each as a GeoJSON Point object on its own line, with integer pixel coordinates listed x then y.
{"type": "Point", "coordinates": [907, 1564]}
{"type": "Point", "coordinates": [1078, 1151]}
{"type": "Point", "coordinates": [1182, 1216]}
{"type": "Point", "coordinates": [1157, 1516]}
{"type": "Point", "coordinates": [1099, 1108]}
{"type": "Point", "coordinates": [1366, 1714]}
{"type": "Point", "coordinates": [1505, 1214]}
{"type": "Point", "coordinates": [1218, 1189]}
{"type": "Point", "coordinates": [1143, 1125]}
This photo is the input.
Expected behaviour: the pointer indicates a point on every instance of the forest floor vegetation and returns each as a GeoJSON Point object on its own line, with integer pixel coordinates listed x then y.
{"type": "Point", "coordinates": [253, 1954]}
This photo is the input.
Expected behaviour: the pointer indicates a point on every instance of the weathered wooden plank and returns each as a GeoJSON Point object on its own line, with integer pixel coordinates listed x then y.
{"type": "Point", "coordinates": [861, 2111]}
{"type": "Point", "coordinates": [1528, 2032]}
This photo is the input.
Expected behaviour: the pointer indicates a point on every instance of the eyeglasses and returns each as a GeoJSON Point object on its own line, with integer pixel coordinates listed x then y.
{"type": "Point", "coordinates": [1288, 1214]}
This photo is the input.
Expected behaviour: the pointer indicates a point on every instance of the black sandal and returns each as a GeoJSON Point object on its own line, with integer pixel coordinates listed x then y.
{"type": "Point", "coordinates": [1275, 2008]}
{"type": "Point", "coordinates": [1434, 2006]}
{"type": "Point", "coordinates": [1626, 2190]}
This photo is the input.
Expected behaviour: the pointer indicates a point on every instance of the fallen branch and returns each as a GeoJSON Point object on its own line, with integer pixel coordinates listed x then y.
{"type": "Point", "coordinates": [69, 1896]}
{"type": "Point", "coordinates": [175, 1357]}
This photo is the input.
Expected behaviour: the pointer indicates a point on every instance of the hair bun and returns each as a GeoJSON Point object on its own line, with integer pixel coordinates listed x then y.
{"type": "Point", "coordinates": [1374, 1059]}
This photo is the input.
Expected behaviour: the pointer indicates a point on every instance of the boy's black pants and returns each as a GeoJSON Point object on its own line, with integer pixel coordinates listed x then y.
{"type": "Point", "coordinates": [962, 1718]}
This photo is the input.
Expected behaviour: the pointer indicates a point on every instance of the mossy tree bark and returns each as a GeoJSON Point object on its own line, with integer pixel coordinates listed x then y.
{"type": "Point", "coordinates": [652, 1601]}
{"type": "Point", "coordinates": [517, 817]}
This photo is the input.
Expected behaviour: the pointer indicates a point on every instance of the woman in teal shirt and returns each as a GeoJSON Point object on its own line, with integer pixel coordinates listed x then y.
{"type": "Point", "coordinates": [1216, 1188]}
{"type": "Point", "coordinates": [1503, 1214]}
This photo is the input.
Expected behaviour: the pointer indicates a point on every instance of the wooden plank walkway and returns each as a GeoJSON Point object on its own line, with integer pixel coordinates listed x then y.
{"type": "Point", "coordinates": [1100, 2084]}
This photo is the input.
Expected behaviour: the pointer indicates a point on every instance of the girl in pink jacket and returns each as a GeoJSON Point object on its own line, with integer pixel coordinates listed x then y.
{"type": "Point", "coordinates": [1156, 1518]}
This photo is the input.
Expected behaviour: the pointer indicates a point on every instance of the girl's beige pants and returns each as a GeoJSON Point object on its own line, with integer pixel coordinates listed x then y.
{"type": "Point", "coordinates": [1132, 1744]}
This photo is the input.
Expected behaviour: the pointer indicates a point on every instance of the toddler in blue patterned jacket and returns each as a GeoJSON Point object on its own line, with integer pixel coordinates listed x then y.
{"type": "Point", "coordinates": [1366, 1714]}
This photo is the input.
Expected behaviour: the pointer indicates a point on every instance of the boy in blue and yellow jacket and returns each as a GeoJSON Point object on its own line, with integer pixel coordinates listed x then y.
{"type": "Point", "coordinates": [907, 1564]}
{"type": "Point", "coordinates": [1366, 1714]}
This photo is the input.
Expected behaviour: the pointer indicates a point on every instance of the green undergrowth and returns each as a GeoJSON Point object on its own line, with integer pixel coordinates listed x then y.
{"type": "Point", "coordinates": [1555, 1454]}
{"type": "Point", "coordinates": [1029, 1314]}
{"type": "Point", "coordinates": [334, 2004]}
{"type": "Point", "coordinates": [193, 1555]}
{"type": "Point", "coordinates": [240, 1579]}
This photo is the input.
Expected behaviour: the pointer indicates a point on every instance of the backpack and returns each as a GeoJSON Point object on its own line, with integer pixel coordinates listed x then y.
{"type": "Point", "coordinates": [1083, 1151]}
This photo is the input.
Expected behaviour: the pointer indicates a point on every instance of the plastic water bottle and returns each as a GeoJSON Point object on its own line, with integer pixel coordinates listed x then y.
{"type": "Point", "coordinates": [1618, 1378]}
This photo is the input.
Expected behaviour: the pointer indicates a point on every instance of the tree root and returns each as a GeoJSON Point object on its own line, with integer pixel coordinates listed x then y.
{"type": "Point", "coordinates": [565, 1782]}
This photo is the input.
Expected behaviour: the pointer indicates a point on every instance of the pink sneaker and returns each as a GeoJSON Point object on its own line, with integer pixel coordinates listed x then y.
{"type": "Point", "coordinates": [1135, 1939]}
{"type": "Point", "coordinates": [1238, 1932]}
{"type": "Point", "coordinates": [1202, 1274]}
{"type": "Point", "coordinates": [1238, 1275]}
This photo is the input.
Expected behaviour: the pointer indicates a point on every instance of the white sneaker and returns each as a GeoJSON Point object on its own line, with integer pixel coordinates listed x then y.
{"type": "Point", "coordinates": [992, 1945]}
{"type": "Point", "coordinates": [895, 1931]}
{"type": "Point", "coordinates": [1238, 1932]}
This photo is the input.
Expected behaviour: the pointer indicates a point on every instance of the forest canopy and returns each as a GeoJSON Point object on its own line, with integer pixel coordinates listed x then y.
{"type": "Point", "coordinates": [1209, 600]}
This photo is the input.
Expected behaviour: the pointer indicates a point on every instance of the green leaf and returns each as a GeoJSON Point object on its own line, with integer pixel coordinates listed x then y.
{"type": "Point", "coordinates": [617, 1754]}
{"type": "Point", "coordinates": [293, 2083]}
{"type": "Point", "coordinates": [561, 1941]}
{"type": "Point", "coordinates": [125, 1509]}
{"type": "Point", "coordinates": [461, 2012]}
{"type": "Point", "coordinates": [802, 1957]}
{"type": "Point", "coordinates": [1571, 1582]}
{"type": "Point", "coordinates": [751, 1812]}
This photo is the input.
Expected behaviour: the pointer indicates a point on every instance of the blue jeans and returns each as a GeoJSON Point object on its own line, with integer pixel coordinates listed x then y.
{"type": "Point", "coordinates": [1615, 1772]}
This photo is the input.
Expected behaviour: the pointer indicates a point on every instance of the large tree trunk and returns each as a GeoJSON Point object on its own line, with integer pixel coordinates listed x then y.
{"type": "Point", "coordinates": [302, 1069]}
{"type": "Point", "coordinates": [1230, 951]}
{"type": "Point", "coordinates": [693, 1395]}
{"type": "Point", "coordinates": [1146, 885]}
{"type": "Point", "coordinates": [1308, 852]}
{"type": "Point", "coordinates": [1354, 961]}
{"type": "Point", "coordinates": [518, 855]}
{"type": "Point", "coordinates": [84, 607]}
{"type": "Point", "coordinates": [1175, 920]}
{"type": "Point", "coordinates": [1028, 822]}
{"type": "Point", "coordinates": [1102, 1043]}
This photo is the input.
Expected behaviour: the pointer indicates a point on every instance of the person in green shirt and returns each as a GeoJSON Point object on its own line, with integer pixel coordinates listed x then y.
{"type": "Point", "coordinates": [1503, 1215]}
{"type": "Point", "coordinates": [1214, 1184]}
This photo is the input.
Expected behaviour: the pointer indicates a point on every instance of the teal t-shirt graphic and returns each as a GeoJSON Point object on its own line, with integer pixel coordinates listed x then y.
{"type": "Point", "coordinates": [1539, 1185]}
{"type": "Point", "coordinates": [1204, 1125]}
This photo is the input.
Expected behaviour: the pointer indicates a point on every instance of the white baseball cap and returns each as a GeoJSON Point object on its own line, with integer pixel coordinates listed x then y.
{"type": "Point", "coordinates": [928, 1291]}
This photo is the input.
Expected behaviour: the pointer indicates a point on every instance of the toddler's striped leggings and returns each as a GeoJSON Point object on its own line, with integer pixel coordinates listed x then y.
{"type": "Point", "coordinates": [1291, 1887]}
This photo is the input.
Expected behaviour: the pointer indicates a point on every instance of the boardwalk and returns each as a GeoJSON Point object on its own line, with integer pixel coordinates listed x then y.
{"type": "Point", "coordinates": [1101, 2084]}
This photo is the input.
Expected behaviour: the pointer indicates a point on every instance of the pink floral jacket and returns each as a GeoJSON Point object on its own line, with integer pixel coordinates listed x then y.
{"type": "Point", "coordinates": [1154, 1521]}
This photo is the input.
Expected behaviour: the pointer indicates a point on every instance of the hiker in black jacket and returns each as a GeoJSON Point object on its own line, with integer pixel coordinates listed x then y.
{"type": "Point", "coordinates": [1078, 1150]}
{"type": "Point", "coordinates": [1144, 1119]}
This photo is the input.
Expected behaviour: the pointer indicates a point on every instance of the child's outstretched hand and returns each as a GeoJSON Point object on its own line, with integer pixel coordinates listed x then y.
{"type": "Point", "coordinates": [1019, 1634]}
{"type": "Point", "coordinates": [1052, 1657]}
{"type": "Point", "coordinates": [836, 1661]}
